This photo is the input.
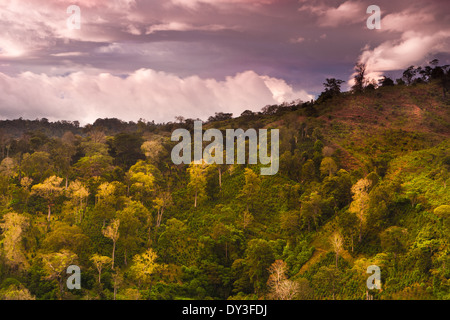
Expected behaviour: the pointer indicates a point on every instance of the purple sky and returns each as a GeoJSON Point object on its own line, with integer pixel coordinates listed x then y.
{"type": "Point", "coordinates": [158, 59]}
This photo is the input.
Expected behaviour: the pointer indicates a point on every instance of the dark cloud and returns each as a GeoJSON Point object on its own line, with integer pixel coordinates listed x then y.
{"type": "Point", "coordinates": [295, 43]}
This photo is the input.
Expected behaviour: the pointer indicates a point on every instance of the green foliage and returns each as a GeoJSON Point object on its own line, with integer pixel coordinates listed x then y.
{"type": "Point", "coordinates": [371, 166]}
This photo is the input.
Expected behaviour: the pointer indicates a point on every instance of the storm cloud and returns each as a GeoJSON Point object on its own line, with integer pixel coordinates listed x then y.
{"type": "Point", "coordinates": [158, 59]}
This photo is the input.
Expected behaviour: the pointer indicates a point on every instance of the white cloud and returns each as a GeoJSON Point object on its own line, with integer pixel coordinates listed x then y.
{"type": "Point", "coordinates": [145, 94]}
{"type": "Point", "coordinates": [412, 48]}
{"type": "Point", "coordinates": [297, 40]}
{"type": "Point", "coordinates": [194, 3]}
{"type": "Point", "coordinates": [406, 21]}
{"type": "Point", "coordinates": [349, 12]}
{"type": "Point", "coordinates": [180, 26]}
{"type": "Point", "coordinates": [69, 54]}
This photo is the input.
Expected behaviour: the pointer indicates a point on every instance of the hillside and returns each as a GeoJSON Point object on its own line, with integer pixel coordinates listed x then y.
{"type": "Point", "coordinates": [364, 180]}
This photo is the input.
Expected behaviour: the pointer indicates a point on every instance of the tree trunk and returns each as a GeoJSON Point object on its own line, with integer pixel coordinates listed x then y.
{"type": "Point", "coordinates": [220, 178]}
{"type": "Point", "coordinates": [360, 231]}
{"type": "Point", "coordinates": [49, 213]}
{"type": "Point", "coordinates": [195, 200]}
{"type": "Point", "coordinates": [114, 250]}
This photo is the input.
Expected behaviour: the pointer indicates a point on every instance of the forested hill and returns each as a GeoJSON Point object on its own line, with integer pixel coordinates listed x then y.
{"type": "Point", "coordinates": [363, 181]}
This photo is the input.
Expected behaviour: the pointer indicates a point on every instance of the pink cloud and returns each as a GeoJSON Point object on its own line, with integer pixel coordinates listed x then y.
{"type": "Point", "coordinates": [412, 48]}
{"type": "Point", "coordinates": [145, 94]}
{"type": "Point", "coordinates": [346, 13]}
{"type": "Point", "coordinates": [405, 21]}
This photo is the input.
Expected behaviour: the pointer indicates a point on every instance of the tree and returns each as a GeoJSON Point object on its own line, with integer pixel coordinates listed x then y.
{"type": "Point", "coordinates": [220, 116]}
{"type": "Point", "coordinates": [25, 183]}
{"type": "Point", "coordinates": [135, 220]}
{"type": "Point", "coordinates": [55, 265]}
{"type": "Point", "coordinates": [144, 266]}
{"type": "Point", "coordinates": [328, 166]}
{"type": "Point", "coordinates": [37, 165]}
{"type": "Point", "coordinates": [259, 256]}
{"type": "Point", "coordinates": [333, 85]}
{"type": "Point", "coordinates": [175, 244]}
{"type": "Point", "coordinates": [308, 171]}
{"type": "Point", "coordinates": [197, 183]}
{"type": "Point", "coordinates": [63, 236]}
{"type": "Point", "coordinates": [126, 149]}
{"type": "Point", "coordinates": [409, 74]}
{"type": "Point", "coordinates": [227, 237]}
{"type": "Point", "coordinates": [332, 88]}
{"type": "Point", "coordinates": [337, 244]}
{"type": "Point", "coordinates": [8, 167]}
{"type": "Point", "coordinates": [100, 262]}
{"type": "Point", "coordinates": [359, 77]}
{"type": "Point", "coordinates": [16, 293]}
{"type": "Point", "coordinates": [153, 149]}
{"type": "Point", "coordinates": [13, 227]}
{"type": "Point", "coordinates": [50, 189]}
{"type": "Point", "coordinates": [79, 195]}
{"type": "Point", "coordinates": [247, 219]}
{"type": "Point", "coordinates": [393, 240]}
{"type": "Point", "coordinates": [251, 187]}
{"type": "Point", "coordinates": [112, 232]}
{"type": "Point", "coordinates": [105, 193]}
{"type": "Point", "coordinates": [311, 209]}
{"type": "Point", "coordinates": [142, 180]}
{"type": "Point", "coordinates": [61, 154]}
{"type": "Point", "coordinates": [360, 203]}
{"type": "Point", "coordinates": [281, 288]}
{"type": "Point", "coordinates": [118, 280]}
{"type": "Point", "coordinates": [162, 201]}
{"type": "Point", "coordinates": [386, 82]}
{"type": "Point", "coordinates": [96, 165]}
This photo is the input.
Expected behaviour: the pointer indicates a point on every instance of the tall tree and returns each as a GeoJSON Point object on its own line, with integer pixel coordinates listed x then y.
{"type": "Point", "coordinates": [144, 266]}
{"type": "Point", "coordinates": [37, 166]}
{"type": "Point", "coordinates": [337, 244]}
{"type": "Point", "coordinates": [55, 265]}
{"type": "Point", "coordinates": [332, 88]}
{"type": "Point", "coordinates": [311, 209]}
{"type": "Point", "coordinates": [197, 183]}
{"type": "Point", "coordinates": [359, 77]}
{"type": "Point", "coordinates": [13, 228]}
{"type": "Point", "coordinates": [100, 262]}
{"type": "Point", "coordinates": [112, 232]}
{"type": "Point", "coordinates": [360, 203]}
{"type": "Point", "coordinates": [50, 190]}
{"type": "Point", "coordinates": [251, 188]}
{"type": "Point", "coordinates": [328, 166]}
{"type": "Point", "coordinates": [79, 194]}
{"type": "Point", "coordinates": [259, 257]}
{"type": "Point", "coordinates": [409, 74]}
{"type": "Point", "coordinates": [162, 201]}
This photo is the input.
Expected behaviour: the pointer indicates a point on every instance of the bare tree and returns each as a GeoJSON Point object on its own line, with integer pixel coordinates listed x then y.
{"type": "Point", "coordinates": [337, 244]}
{"type": "Point", "coordinates": [280, 287]}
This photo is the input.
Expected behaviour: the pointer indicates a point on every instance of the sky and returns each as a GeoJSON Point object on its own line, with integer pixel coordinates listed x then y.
{"type": "Point", "coordinates": [158, 59]}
